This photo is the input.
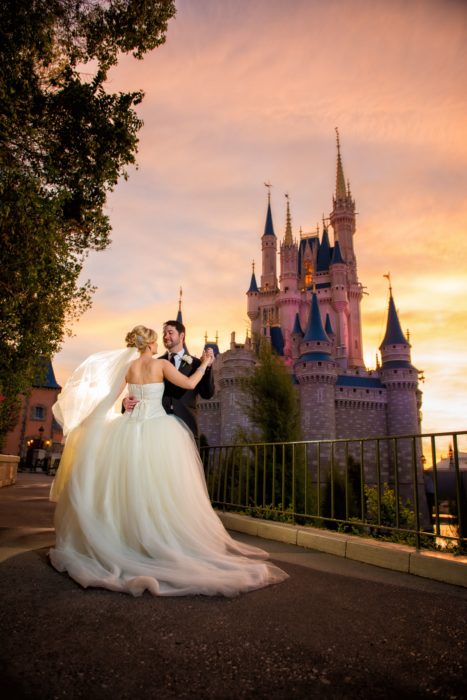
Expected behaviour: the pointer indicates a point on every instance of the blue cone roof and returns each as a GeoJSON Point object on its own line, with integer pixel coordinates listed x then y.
{"type": "Point", "coordinates": [297, 329]}
{"type": "Point", "coordinates": [268, 227]}
{"type": "Point", "coordinates": [277, 339]}
{"type": "Point", "coordinates": [328, 326]}
{"type": "Point", "coordinates": [315, 330]}
{"type": "Point", "coordinates": [324, 253]}
{"type": "Point", "coordinates": [337, 255]}
{"type": "Point", "coordinates": [394, 334]}
{"type": "Point", "coordinates": [253, 285]}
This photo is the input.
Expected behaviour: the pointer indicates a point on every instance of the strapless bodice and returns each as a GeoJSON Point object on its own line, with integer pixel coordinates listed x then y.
{"type": "Point", "coordinates": [149, 400]}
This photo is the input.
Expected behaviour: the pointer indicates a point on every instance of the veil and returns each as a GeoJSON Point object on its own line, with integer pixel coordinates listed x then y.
{"type": "Point", "coordinates": [85, 403]}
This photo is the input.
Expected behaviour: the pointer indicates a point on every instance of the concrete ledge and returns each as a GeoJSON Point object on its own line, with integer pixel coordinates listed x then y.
{"type": "Point", "coordinates": [277, 531]}
{"type": "Point", "coordinates": [311, 539]}
{"type": "Point", "coordinates": [8, 469]}
{"type": "Point", "coordinates": [439, 567]}
{"type": "Point", "coordinates": [434, 565]}
{"type": "Point", "coordinates": [240, 523]}
{"type": "Point", "coordinates": [388, 557]}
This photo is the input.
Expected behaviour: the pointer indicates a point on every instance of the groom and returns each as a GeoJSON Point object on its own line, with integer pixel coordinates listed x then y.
{"type": "Point", "coordinates": [178, 401]}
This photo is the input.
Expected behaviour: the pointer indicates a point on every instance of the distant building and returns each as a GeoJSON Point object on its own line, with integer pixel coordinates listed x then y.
{"type": "Point", "coordinates": [37, 437]}
{"type": "Point", "coordinates": [309, 309]}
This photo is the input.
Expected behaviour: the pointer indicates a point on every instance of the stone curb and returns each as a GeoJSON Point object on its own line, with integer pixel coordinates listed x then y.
{"type": "Point", "coordinates": [433, 565]}
{"type": "Point", "coordinates": [8, 469]}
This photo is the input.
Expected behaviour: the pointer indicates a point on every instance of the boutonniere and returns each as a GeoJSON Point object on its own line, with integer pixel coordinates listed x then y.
{"type": "Point", "coordinates": [188, 359]}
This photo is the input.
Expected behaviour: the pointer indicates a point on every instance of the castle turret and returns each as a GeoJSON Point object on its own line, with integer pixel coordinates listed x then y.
{"type": "Point", "coordinates": [400, 378]}
{"type": "Point", "coordinates": [288, 301]}
{"type": "Point", "coordinates": [296, 337]}
{"type": "Point", "coordinates": [237, 363]}
{"type": "Point", "coordinates": [330, 332]}
{"type": "Point", "coordinates": [269, 253]}
{"type": "Point", "coordinates": [343, 217]}
{"type": "Point", "coordinates": [342, 220]}
{"type": "Point", "coordinates": [340, 302]}
{"type": "Point", "coordinates": [253, 303]}
{"type": "Point", "coordinates": [316, 374]}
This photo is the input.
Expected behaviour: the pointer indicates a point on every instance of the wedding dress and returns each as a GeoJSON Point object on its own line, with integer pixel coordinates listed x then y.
{"type": "Point", "coordinates": [133, 512]}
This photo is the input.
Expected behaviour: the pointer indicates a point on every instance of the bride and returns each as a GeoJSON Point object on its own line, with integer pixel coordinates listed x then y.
{"type": "Point", "coordinates": [133, 512]}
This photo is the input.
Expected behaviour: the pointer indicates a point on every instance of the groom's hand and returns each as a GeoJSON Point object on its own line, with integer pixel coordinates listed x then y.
{"type": "Point", "coordinates": [129, 402]}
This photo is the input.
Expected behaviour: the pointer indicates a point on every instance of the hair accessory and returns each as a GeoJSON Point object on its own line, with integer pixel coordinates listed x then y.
{"type": "Point", "coordinates": [139, 338]}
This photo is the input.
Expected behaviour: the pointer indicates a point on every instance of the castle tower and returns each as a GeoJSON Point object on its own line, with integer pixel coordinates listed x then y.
{"type": "Point", "coordinates": [237, 362]}
{"type": "Point", "coordinates": [269, 253]}
{"type": "Point", "coordinates": [342, 217]}
{"type": "Point", "coordinates": [400, 378]}
{"type": "Point", "coordinates": [330, 333]}
{"type": "Point", "coordinates": [296, 337]}
{"type": "Point", "coordinates": [316, 374]}
{"type": "Point", "coordinates": [253, 304]}
{"type": "Point", "coordinates": [342, 220]}
{"type": "Point", "coordinates": [288, 300]}
{"type": "Point", "coordinates": [340, 302]}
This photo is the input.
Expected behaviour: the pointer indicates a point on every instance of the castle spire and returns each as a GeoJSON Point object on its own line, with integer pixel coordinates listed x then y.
{"type": "Point", "coordinates": [268, 227]}
{"type": "Point", "coordinates": [315, 330]}
{"type": "Point", "coordinates": [253, 283]}
{"type": "Point", "coordinates": [341, 189]}
{"type": "Point", "coordinates": [394, 334]}
{"type": "Point", "coordinates": [179, 314]}
{"type": "Point", "coordinates": [288, 239]}
{"type": "Point", "coordinates": [269, 250]}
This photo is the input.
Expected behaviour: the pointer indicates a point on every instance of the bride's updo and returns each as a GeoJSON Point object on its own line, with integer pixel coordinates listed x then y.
{"type": "Point", "coordinates": [140, 337]}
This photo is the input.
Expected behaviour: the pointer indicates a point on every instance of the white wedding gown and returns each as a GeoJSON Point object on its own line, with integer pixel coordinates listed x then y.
{"type": "Point", "coordinates": [135, 515]}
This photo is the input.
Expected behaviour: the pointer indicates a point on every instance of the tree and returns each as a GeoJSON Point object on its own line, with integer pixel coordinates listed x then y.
{"type": "Point", "coordinates": [64, 143]}
{"type": "Point", "coordinates": [273, 401]}
{"type": "Point", "coordinates": [273, 409]}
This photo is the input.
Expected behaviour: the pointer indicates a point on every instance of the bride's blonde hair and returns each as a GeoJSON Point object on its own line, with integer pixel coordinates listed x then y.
{"type": "Point", "coordinates": [140, 337]}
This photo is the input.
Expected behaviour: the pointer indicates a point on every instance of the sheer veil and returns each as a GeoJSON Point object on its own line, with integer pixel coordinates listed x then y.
{"type": "Point", "coordinates": [85, 403]}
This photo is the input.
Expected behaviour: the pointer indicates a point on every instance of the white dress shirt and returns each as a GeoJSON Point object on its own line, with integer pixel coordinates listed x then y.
{"type": "Point", "coordinates": [177, 358]}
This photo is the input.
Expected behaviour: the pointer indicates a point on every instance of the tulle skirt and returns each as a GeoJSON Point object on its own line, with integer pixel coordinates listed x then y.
{"type": "Point", "coordinates": [135, 515]}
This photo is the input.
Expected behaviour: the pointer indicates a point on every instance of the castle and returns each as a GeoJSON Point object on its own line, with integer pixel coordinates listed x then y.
{"type": "Point", "coordinates": [309, 309]}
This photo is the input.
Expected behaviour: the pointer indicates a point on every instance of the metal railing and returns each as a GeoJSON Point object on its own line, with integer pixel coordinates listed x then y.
{"type": "Point", "coordinates": [393, 487]}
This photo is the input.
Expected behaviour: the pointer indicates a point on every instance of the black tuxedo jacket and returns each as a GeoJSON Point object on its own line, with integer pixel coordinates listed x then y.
{"type": "Point", "coordinates": [182, 402]}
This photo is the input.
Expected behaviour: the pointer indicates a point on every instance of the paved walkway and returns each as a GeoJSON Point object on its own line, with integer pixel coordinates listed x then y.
{"type": "Point", "coordinates": [336, 629]}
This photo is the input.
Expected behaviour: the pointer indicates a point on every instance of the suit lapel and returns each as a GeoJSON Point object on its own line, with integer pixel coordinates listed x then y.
{"type": "Point", "coordinates": [185, 368]}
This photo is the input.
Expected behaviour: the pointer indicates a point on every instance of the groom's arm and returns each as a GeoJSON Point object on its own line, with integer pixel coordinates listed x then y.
{"type": "Point", "coordinates": [206, 386]}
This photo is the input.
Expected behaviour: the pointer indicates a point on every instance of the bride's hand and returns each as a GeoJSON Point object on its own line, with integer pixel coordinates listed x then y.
{"type": "Point", "coordinates": [207, 358]}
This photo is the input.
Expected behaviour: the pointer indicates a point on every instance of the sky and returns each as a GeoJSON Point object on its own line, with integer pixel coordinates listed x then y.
{"type": "Point", "coordinates": [245, 92]}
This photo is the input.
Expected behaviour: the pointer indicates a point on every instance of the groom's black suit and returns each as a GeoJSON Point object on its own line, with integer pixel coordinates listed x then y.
{"type": "Point", "coordinates": [182, 402]}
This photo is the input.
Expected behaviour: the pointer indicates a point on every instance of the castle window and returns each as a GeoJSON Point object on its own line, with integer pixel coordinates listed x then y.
{"type": "Point", "coordinates": [38, 412]}
{"type": "Point", "coordinates": [308, 274]}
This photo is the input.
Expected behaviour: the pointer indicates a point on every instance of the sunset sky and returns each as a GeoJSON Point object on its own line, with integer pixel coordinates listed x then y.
{"type": "Point", "coordinates": [248, 91]}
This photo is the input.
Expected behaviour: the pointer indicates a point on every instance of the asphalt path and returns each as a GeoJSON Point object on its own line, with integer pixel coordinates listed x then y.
{"type": "Point", "coordinates": [335, 629]}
